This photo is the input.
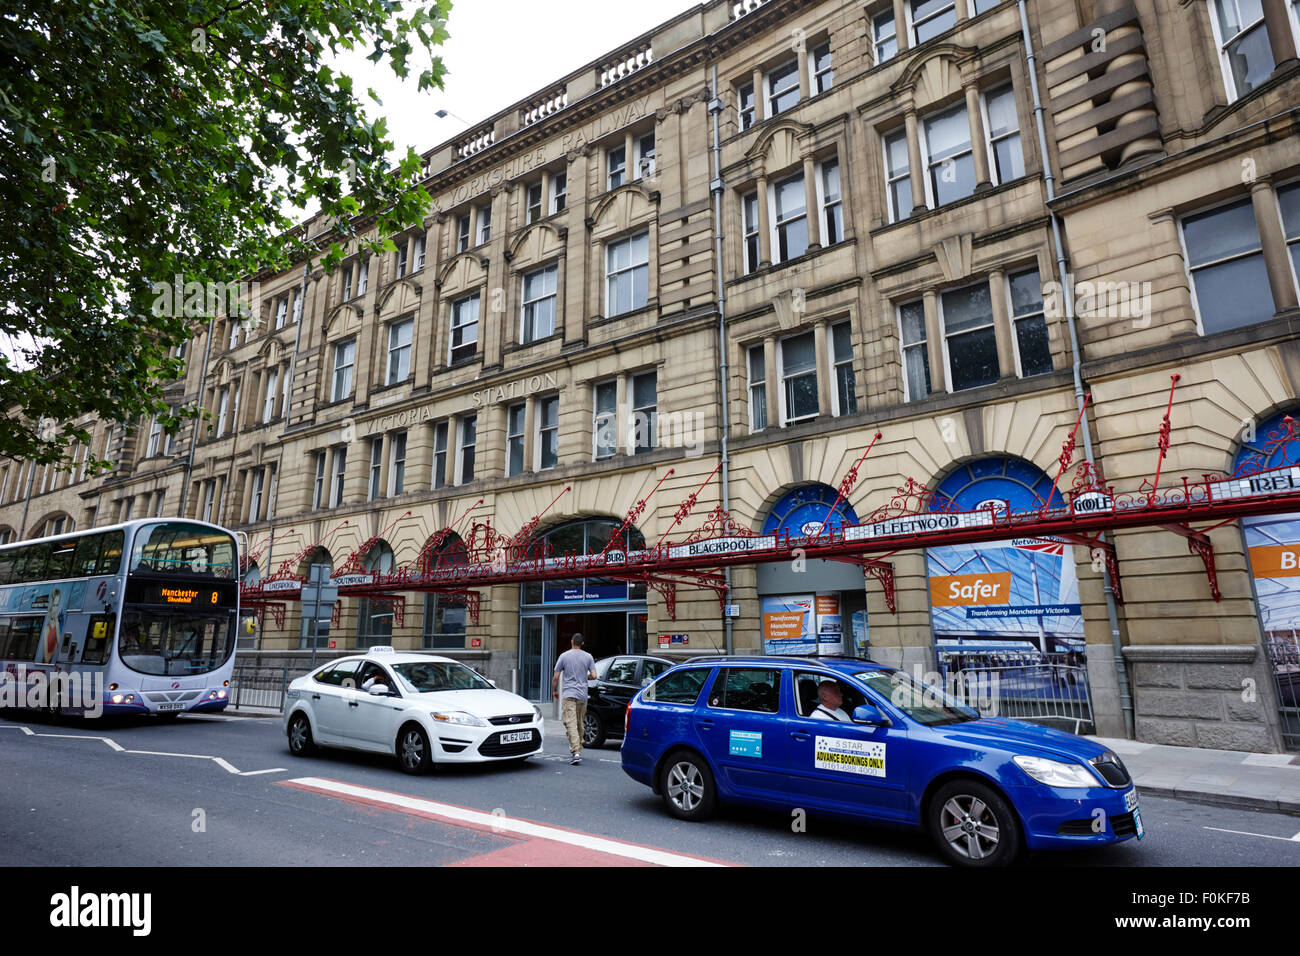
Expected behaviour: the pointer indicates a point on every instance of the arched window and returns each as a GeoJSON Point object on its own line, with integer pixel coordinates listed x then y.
{"type": "Point", "coordinates": [375, 616]}
{"type": "Point", "coordinates": [583, 537]}
{"type": "Point", "coordinates": [802, 511]}
{"type": "Point", "coordinates": [1023, 591]}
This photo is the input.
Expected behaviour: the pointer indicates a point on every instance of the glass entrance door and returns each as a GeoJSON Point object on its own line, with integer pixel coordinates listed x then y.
{"type": "Point", "coordinates": [536, 648]}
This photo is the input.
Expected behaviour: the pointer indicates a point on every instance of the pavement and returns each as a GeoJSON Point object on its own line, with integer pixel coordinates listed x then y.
{"type": "Point", "coordinates": [1223, 778]}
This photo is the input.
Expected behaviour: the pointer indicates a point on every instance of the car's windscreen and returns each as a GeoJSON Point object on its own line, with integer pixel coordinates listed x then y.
{"type": "Point", "coordinates": [924, 703]}
{"type": "Point", "coordinates": [425, 676]}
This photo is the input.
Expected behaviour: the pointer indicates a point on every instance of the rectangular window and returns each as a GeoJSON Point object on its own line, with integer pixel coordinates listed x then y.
{"type": "Point", "coordinates": [462, 233]}
{"type": "Point", "coordinates": [346, 283]}
{"type": "Point", "coordinates": [798, 361]}
{"type": "Point", "coordinates": [967, 318]}
{"type": "Point", "coordinates": [255, 498]}
{"type": "Point", "coordinates": [465, 454]}
{"type": "Point", "coordinates": [537, 316]}
{"type": "Point", "coordinates": [484, 224]}
{"type": "Point", "coordinates": [605, 428]}
{"type": "Point", "coordinates": [1032, 345]}
{"type": "Point", "coordinates": [898, 176]}
{"type": "Point", "coordinates": [363, 275]}
{"type": "Point", "coordinates": [645, 156]}
{"type": "Point", "coordinates": [344, 355]}
{"type": "Point", "coordinates": [930, 18]}
{"type": "Point", "coordinates": [209, 498]}
{"type": "Point", "coordinates": [439, 455]}
{"type": "Point", "coordinates": [318, 484]}
{"type": "Point", "coordinates": [234, 334]}
{"type": "Point", "coordinates": [285, 384]}
{"type": "Point", "coordinates": [823, 72]}
{"type": "Point", "coordinates": [616, 165]}
{"type": "Point", "coordinates": [757, 389]}
{"type": "Point", "coordinates": [1245, 55]}
{"type": "Point", "coordinates": [338, 474]}
{"type": "Point", "coordinates": [396, 464]}
{"type": "Point", "coordinates": [833, 209]}
{"type": "Point", "coordinates": [418, 249]}
{"type": "Point", "coordinates": [464, 330]}
{"type": "Point", "coordinates": [627, 274]}
{"type": "Point", "coordinates": [444, 621]}
{"type": "Point", "coordinates": [155, 437]}
{"type": "Point", "coordinates": [745, 105]}
{"type": "Point", "coordinates": [884, 36]}
{"type": "Point", "coordinates": [782, 88]}
{"type": "Point", "coordinates": [1288, 201]}
{"type": "Point", "coordinates": [559, 192]}
{"type": "Point", "coordinates": [399, 351]}
{"type": "Point", "coordinates": [945, 141]}
{"type": "Point", "coordinates": [223, 409]}
{"type": "Point", "coordinates": [376, 467]}
{"type": "Point", "coordinates": [402, 252]}
{"type": "Point", "coordinates": [983, 6]}
{"type": "Point", "coordinates": [916, 355]}
{"type": "Point", "coordinates": [749, 213]}
{"type": "Point", "coordinates": [791, 221]}
{"type": "Point", "coordinates": [846, 388]}
{"type": "Point", "coordinates": [645, 416]}
{"type": "Point", "coordinates": [272, 393]}
{"type": "Point", "coordinates": [281, 311]}
{"type": "Point", "coordinates": [1226, 261]}
{"type": "Point", "coordinates": [547, 412]}
{"type": "Point", "coordinates": [515, 416]}
{"type": "Point", "coordinates": [534, 202]}
{"type": "Point", "coordinates": [1005, 157]}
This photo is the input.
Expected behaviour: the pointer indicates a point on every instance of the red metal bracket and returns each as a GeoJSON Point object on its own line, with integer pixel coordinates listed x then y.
{"type": "Point", "coordinates": [1108, 556]}
{"type": "Point", "coordinates": [1199, 544]}
{"type": "Point", "coordinates": [352, 564]}
{"type": "Point", "coordinates": [882, 571]}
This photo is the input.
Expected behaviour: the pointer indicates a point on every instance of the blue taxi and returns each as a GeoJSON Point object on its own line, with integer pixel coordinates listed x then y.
{"type": "Point", "coordinates": [855, 739]}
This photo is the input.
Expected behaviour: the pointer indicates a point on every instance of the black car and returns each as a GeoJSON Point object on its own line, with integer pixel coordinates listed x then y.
{"type": "Point", "coordinates": [617, 680]}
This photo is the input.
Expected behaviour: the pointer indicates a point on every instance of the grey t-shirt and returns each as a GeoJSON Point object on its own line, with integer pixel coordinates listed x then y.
{"type": "Point", "coordinates": [574, 666]}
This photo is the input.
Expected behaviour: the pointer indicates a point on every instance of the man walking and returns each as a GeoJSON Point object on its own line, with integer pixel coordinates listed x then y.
{"type": "Point", "coordinates": [577, 667]}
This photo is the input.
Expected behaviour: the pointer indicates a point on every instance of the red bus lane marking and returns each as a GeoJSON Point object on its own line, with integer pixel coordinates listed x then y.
{"type": "Point", "coordinates": [541, 844]}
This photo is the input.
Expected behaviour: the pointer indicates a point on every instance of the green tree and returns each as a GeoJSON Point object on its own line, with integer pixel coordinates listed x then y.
{"type": "Point", "coordinates": [142, 141]}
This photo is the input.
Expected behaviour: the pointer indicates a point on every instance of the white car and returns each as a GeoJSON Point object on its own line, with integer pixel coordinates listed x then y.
{"type": "Point", "coordinates": [425, 710]}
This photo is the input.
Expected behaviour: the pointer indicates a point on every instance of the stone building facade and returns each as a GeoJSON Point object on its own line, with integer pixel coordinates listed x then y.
{"type": "Point", "coordinates": [889, 261]}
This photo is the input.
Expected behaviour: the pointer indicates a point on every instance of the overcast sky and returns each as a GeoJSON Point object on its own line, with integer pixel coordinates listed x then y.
{"type": "Point", "coordinates": [499, 52]}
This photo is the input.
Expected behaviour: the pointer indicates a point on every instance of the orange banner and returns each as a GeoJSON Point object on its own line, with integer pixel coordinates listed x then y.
{"type": "Point", "coordinates": [1276, 561]}
{"type": "Point", "coordinates": [965, 590]}
{"type": "Point", "coordinates": [783, 625]}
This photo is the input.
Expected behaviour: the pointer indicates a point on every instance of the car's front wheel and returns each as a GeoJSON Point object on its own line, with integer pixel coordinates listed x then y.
{"type": "Point", "coordinates": [413, 750]}
{"type": "Point", "coordinates": [688, 788]}
{"type": "Point", "coordinates": [593, 730]}
{"type": "Point", "coordinates": [974, 825]}
{"type": "Point", "coordinates": [301, 743]}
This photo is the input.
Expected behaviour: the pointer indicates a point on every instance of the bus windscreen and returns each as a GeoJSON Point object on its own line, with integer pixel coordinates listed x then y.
{"type": "Point", "coordinates": [179, 548]}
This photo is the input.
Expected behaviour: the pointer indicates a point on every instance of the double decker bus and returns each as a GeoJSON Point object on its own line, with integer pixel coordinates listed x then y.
{"type": "Point", "coordinates": [136, 618]}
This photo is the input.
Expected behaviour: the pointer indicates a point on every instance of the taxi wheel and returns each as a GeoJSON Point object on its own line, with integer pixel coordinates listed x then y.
{"type": "Point", "coordinates": [973, 825]}
{"type": "Point", "coordinates": [687, 786]}
{"type": "Point", "coordinates": [593, 730]}
{"type": "Point", "coordinates": [413, 750]}
{"type": "Point", "coordinates": [300, 739]}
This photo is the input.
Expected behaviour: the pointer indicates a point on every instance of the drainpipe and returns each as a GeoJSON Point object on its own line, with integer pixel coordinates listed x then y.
{"type": "Point", "coordinates": [717, 189]}
{"type": "Point", "coordinates": [1112, 613]}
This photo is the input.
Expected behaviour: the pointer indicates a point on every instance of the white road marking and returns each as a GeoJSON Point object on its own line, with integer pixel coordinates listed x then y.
{"type": "Point", "coordinates": [1266, 836]}
{"type": "Point", "coordinates": [500, 824]}
{"type": "Point", "coordinates": [220, 762]}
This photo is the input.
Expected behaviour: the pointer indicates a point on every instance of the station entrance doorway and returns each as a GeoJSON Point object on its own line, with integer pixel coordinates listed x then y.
{"type": "Point", "coordinates": [543, 637]}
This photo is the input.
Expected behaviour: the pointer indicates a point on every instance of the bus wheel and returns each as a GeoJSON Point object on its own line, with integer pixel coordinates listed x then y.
{"type": "Point", "coordinates": [300, 739]}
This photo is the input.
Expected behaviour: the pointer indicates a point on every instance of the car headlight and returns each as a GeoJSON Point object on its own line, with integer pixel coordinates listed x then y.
{"type": "Point", "coordinates": [1053, 773]}
{"type": "Point", "coordinates": [458, 717]}
{"type": "Point", "coordinates": [537, 714]}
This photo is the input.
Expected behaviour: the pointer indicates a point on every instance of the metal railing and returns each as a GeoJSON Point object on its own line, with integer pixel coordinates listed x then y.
{"type": "Point", "coordinates": [258, 686]}
{"type": "Point", "coordinates": [1047, 691]}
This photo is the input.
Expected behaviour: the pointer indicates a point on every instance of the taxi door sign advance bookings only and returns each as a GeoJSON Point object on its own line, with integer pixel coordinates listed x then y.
{"type": "Point", "coordinates": [849, 756]}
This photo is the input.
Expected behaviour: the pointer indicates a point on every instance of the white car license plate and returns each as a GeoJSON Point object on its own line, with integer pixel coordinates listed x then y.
{"type": "Point", "coordinates": [517, 738]}
{"type": "Point", "coordinates": [162, 707]}
{"type": "Point", "coordinates": [1131, 800]}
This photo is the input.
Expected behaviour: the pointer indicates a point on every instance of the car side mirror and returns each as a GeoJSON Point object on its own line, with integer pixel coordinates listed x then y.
{"type": "Point", "coordinates": [867, 714]}
{"type": "Point", "coordinates": [378, 690]}
{"type": "Point", "coordinates": [493, 683]}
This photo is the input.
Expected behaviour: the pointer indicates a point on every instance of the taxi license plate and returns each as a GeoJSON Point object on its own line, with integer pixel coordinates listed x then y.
{"type": "Point", "coordinates": [517, 738]}
{"type": "Point", "coordinates": [162, 707]}
{"type": "Point", "coordinates": [1131, 800]}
